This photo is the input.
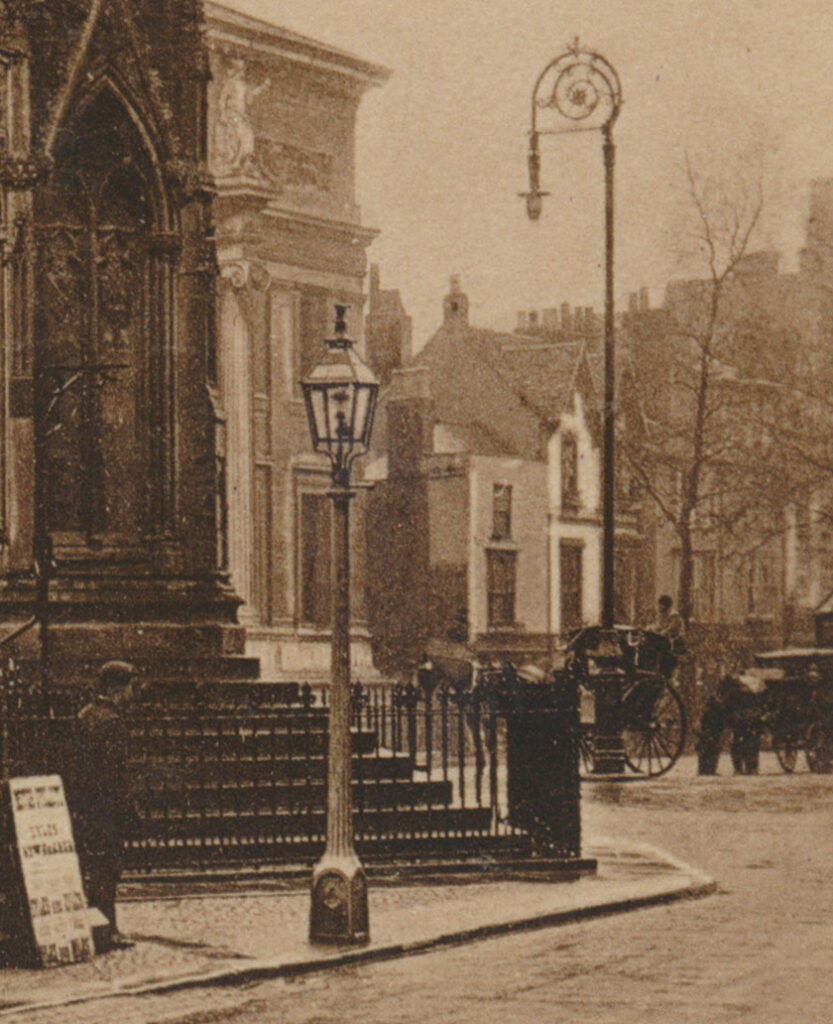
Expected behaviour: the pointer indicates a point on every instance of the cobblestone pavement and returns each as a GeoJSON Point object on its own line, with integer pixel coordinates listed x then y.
{"type": "Point", "coordinates": [759, 951]}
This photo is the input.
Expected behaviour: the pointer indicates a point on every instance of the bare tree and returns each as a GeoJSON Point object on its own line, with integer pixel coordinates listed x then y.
{"type": "Point", "coordinates": [701, 455]}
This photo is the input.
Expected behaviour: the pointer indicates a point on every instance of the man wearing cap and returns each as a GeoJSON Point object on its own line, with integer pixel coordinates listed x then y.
{"type": "Point", "coordinates": [103, 810]}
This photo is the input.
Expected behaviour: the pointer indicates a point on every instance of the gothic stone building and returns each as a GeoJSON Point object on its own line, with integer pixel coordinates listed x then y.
{"type": "Point", "coordinates": [111, 464]}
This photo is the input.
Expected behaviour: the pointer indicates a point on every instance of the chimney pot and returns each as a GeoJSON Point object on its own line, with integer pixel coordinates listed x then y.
{"type": "Point", "coordinates": [566, 318]}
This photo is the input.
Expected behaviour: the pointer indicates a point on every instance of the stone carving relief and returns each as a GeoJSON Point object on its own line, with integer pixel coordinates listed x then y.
{"type": "Point", "coordinates": [236, 274]}
{"type": "Point", "coordinates": [239, 150]}
{"type": "Point", "coordinates": [292, 167]}
{"type": "Point", "coordinates": [234, 138]}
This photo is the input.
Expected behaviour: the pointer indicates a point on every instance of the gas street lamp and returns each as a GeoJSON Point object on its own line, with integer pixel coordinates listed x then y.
{"type": "Point", "coordinates": [580, 91]}
{"type": "Point", "coordinates": [340, 398]}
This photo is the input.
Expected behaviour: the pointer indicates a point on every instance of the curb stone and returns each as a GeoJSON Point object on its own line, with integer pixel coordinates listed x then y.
{"type": "Point", "coordinates": [693, 885]}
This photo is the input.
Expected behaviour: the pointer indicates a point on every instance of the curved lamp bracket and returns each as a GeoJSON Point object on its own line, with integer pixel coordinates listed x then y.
{"type": "Point", "coordinates": [578, 91]}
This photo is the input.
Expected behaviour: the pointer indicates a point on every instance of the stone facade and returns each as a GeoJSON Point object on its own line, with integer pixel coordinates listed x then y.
{"type": "Point", "coordinates": [112, 462]}
{"type": "Point", "coordinates": [281, 114]}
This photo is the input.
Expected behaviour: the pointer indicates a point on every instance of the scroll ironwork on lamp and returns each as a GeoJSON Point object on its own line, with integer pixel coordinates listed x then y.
{"type": "Point", "coordinates": [580, 91]}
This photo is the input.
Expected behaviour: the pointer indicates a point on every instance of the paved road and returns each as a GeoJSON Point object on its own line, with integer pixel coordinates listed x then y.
{"type": "Point", "coordinates": [758, 951]}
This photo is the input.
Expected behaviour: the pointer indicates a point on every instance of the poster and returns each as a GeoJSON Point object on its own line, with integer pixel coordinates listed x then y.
{"type": "Point", "coordinates": [49, 870]}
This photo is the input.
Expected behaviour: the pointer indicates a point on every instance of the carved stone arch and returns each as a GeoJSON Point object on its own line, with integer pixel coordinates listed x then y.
{"type": "Point", "coordinates": [102, 332]}
{"type": "Point", "coordinates": [143, 122]}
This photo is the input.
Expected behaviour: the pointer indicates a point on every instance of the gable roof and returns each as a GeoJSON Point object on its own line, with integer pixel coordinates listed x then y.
{"type": "Point", "coordinates": [509, 392]}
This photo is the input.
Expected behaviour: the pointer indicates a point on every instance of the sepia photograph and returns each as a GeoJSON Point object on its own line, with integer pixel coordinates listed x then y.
{"type": "Point", "coordinates": [416, 511]}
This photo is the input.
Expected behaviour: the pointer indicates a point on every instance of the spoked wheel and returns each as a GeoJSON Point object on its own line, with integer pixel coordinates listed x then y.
{"type": "Point", "coordinates": [786, 746]}
{"type": "Point", "coordinates": [819, 750]}
{"type": "Point", "coordinates": [654, 735]}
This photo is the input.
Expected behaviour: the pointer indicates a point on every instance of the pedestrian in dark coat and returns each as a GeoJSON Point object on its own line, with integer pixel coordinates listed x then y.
{"type": "Point", "coordinates": [712, 724]}
{"type": "Point", "coordinates": [736, 705]}
{"type": "Point", "coordinates": [103, 810]}
{"type": "Point", "coordinates": [746, 721]}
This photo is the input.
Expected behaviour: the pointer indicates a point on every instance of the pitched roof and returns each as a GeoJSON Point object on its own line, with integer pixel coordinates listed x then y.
{"type": "Point", "coordinates": [507, 391]}
{"type": "Point", "coordinates": [546, 374]}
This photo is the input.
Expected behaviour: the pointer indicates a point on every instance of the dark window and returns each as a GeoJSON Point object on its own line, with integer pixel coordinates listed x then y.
{"type": "Point", "coordinates": [500, 584]}
{"type": "Point", "coordinates": [571, 572]}
{"type": "Point", "coordinates": [315, 559]}
{"type": "Point", "coordinates": [501, 512]}
{"type": "Point", "coordinates": [569, 472]}
{"type": "Point", "coordinates": [762, 584]}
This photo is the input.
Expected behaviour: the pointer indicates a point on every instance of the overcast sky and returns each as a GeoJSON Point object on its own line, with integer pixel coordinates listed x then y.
{"type": "Point", "coordinates": [442, 147]}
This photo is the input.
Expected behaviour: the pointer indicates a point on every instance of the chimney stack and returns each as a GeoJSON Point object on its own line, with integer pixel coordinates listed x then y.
{"type": "Point", "coordinates": [566, 319]}
{"type": "Point", "coordinates": [456, 304]}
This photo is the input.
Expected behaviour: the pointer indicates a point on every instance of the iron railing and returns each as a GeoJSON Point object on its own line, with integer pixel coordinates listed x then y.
{"type": "Point", "coordinates": [238, 773]}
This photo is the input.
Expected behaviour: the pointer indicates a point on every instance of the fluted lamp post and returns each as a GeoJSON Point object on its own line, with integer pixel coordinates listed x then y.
{"type": "Point", "coordinates": [340, 398]}
{"type": "Point", "coordinates": [580, 91]}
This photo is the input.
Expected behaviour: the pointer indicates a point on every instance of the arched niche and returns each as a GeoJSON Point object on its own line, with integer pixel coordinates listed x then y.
{"type": "Point", "coordinates": [102, 316]}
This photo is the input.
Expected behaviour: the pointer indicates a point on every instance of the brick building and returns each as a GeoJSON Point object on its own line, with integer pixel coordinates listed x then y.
{"type": "Point", "coordinates": [771, 570]}
{"type": "Point", "coordinates": [484, 524]}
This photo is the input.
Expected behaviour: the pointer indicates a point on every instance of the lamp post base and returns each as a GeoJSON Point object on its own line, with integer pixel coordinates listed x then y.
{"type": "Point", "coordinates": [339, 901]}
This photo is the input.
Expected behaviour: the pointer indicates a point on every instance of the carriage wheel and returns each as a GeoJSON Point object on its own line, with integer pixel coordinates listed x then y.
{"type": "Point", "coordinates": [786, 746]}
{"type": "Point", "coordinates": [653, 742]}
{"type": "Point", "coordinates": [819, 750]}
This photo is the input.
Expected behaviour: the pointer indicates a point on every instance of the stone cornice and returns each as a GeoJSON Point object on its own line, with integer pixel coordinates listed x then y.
{"type": "Point", "coordinates": [229, 28]}
{"type": "Point", "coordinates": [347, 231]}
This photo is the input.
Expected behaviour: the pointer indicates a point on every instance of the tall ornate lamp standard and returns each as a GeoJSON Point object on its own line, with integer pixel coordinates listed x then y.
{"type": "Point", "coordinates": [340, 398]}
{"type": "Point", "coordinates": [580, 91]}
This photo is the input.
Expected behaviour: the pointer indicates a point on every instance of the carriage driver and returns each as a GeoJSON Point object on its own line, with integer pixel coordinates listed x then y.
{"type": "Point", "coordinates": [669, 623]}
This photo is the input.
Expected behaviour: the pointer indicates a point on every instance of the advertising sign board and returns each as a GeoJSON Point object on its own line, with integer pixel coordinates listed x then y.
{"type": "Point", "coordinates": [48, 874]}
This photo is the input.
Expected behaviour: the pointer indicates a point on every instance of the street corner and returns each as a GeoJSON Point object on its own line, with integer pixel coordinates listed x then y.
{"type": "Point", "coordinates": [147, 965]}
{"type": "Point", "coordinates": [641, 864]}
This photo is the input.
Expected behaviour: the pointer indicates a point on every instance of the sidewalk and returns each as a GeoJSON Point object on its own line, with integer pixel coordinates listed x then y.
{"type": "Point", "coordinates": [243, 936]}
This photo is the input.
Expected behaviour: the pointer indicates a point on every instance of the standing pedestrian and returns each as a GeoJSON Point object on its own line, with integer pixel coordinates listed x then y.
{"type": "Point", "coordinates": [747, 724]}
{"type": "Point", "coordinates": [104, 812]}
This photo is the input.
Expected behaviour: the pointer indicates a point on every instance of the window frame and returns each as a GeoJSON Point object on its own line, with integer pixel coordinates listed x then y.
{"type": "Point", "coordinates": [501, 590]}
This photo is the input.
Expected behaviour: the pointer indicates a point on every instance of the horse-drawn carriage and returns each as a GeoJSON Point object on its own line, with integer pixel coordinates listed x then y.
{"type": "Point", "coordinates": [626, 692]}
{"type": "Point", "coordinates": [797, 705]}
{"type": "Point", "coordinates": [789, 697]}
{"type": "Point", "coordinates": [623, 679]}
